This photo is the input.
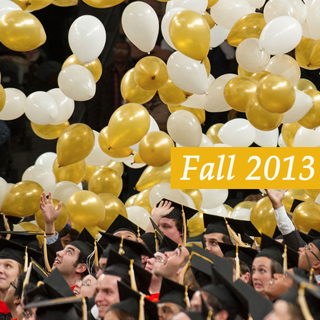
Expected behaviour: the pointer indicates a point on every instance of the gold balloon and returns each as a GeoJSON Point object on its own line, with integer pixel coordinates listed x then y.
{"type": "Point", "coordinates": [207, 65]}
{"type": "Point", "coordinates": [260, 75]}
{"type": "Point", "coordinates": [155, 148]}
{"type": "Point", "coordinates": [59, 223]}
{"type": "Point", "coordinates": [263, 217]}
{"type": "Point", "coordinates": [90, 169]}
{"type": "Point", "coordinates": [130, 201]}
{"type": "Point", "coordinates": [306, 216]}
{"type": "Point", "coordinates": [260, 118]}
{"type": "Point", "coordinates": [102, 3]}
{"type": "Point", "coordinates": [315, 55]}
{"type": "Point", "coordinates": [131, 92]}
{"type": "Point", "coordinates": [73, 172]}
{"type": "Point", "coordinates": [142, 200]}
{"type": "Point", "coordinates": [291, 195]}
{"type": "Point", "coordinates": [244, 205]}
{"type": "Point", "coordinates": [104, 143]}
{"type": "Point", "coordinates": [137, 158]}
{"type": "Point", "coordinates": [212, 133]}
{"type": "Point", "coordinates": [195, 225]}
{"type": "Point", "coordinates": [23, 4]}
{"type": "Point", "coordinates": [154, 175]}
{"type": "Point", "coordinates": [229, 209]}
{"type": "Point", "coordinates": [32, 5]}
{"type": "Point", "coordinates": [95, 67]}
{"type": "Point", "coordinates": [199, 113]}
{"type": "Point", "coordinates": [127, 125]}
{"type": "Point", "coordinates": [275, 93]}
{"type": "Point", "coordinates": [49, 131]}
{"type": "Point", "coordinates": [190, 34]}
{"type": "Point", "coordinates": [303, 52]}
{"type": "Point", "coordinates": [304, 84]}
{"type": "Point", "coordinates": [22, 200]}
{"type": "Point", "coordinates": [106, 180]}
{"type": "Point", "coordinates": [211, 3]}
{"type": "Point", "coordinates": [30, 227]}
{"type": "Point", "coordinates": [289, 131]}
{"type": "Point", "coordinates": [2, 97]}
{"type": "Point", "coordinates": [94, 231]}
{"type": "Point", "coordinates": [209, 19]}
{"type": "Point", "coordinates": [21, 31]}
{"type": "Point", "coordinates": [85, 209]}
{"type": "Point", "coordinates": [74, 144]}
{"type": "Point", "coordinates": [312, 119]}
{"type": "Point", "coordinates": [115, 165]}
{"type": "Point", "coordinates": [238, 91]}
{"type": "Point", "coordinates": [244, 73]}
{"type": "Point", "coordinates": [312, 193]}
{"type": "Point", "coordinates": [249, 26]}
{"type": "Point", "coordinates": [171, 94]}
{"type": "Point", "coordinates": [150, 73]}
{"type": "Point", "coordinates": [65, 3]}
{"type": "Point", "coordinates": [113, 206]}
{"type": "Point", "coordinates": [195, 195]}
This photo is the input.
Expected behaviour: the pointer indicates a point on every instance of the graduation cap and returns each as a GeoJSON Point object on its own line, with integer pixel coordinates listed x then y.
{"type": "Point", "coordinates": [259, 306]}
{"type": "Point", "coordinates": [174, 292]}
{"type": "Point", "coordinates": [7, 222]}
{"type": "Point", "coordinates": [128, 248]}
{"type": "Point", "coordinates": [205, 313]}
{"type": "Point", "coordinates": [314, 233]}
{"type": "Point", "coordinates": [275, 250]}
{"type": "Point", "coordinates": [123, 224]}
{"type": "Point", "coordinates": [246, 254]}
{"type": "Point", "coordinates": [128, 271]}
{"type": "Point", "coordinates": [131, 303]}
{"type": "Point", "coordinates": [71, 308]}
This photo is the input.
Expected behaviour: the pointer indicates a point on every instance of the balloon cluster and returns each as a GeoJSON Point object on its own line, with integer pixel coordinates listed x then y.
{"type": "Point", "coordinates": [267, 88]}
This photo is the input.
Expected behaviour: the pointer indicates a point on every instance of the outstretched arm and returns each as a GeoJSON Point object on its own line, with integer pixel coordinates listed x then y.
{"type": "Point", "coordinates": [276, 197]}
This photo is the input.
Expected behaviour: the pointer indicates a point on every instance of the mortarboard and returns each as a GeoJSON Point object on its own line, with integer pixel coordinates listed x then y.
{"type": "Point", "coordinates": [205, 313]}
{"type": "Point", "coordinates": [128, 271]}
{"type": "Point", "coordinates": [7, 222]}
{"type": "Point", "coordinates": [174, 292]}
{"type": "Point", "coordinates": [123, 224]}
{"type": "Point", "coordinates": [314, 233]}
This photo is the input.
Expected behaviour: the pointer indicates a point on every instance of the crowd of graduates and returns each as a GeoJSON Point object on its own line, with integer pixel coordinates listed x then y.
{"type": "Point", "coordinates": [229, 272]}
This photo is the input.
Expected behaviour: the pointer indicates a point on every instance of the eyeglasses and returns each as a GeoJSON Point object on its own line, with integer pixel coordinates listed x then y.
{"type": "Point", "coordinates": [85, 283]}
{"type": "Point", "coordinates": [13, 285]}
{"type": "Point", "coordinates": [308, 247]}
{"type": "Point", "coordinates": [160, 259]}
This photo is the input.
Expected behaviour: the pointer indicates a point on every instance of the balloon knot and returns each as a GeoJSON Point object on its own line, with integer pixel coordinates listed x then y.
{"type": "Point", "coordinates": [109, 148]}
{"type": "Point", "coordinates": [153, 77]}
{"type": "Point", "coordinates": [134, 188]}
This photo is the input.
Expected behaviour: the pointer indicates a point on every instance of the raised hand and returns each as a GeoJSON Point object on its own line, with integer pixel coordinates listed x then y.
{"type": "Point", "coordinates": [276, 197]}
{"type": "Point", "coordinates": [162, 210]}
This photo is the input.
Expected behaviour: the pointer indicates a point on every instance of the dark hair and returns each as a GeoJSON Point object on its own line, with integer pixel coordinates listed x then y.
{"type": "Point", "coordinates": [82, 259]}
{"type": "Point", "coordinates": [121, 314]}
{"type": "Point", "coordinates": [276, 267]}
{"type": "Point", "coordinates": [243, 266]}
{"type": "Point", "coordinates": [179, 226]}
{"type": "Point", "coordinates": [69, 231]}
{"type": "Point", "coordinates": [214, 303]}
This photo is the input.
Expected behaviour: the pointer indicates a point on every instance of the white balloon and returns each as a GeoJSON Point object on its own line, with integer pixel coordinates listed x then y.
{"type": "Point", "coordinates": [280, 35]}
{"type": "Point", "coordinates": [87, 37]}
{"type": "Point", "coordinates": [306, 138]}
{"type": "Point", "coordinates": [188, 74]}
{"type": "Point", "coordinates": [220, 211]}
{"type": "Point", "coordinates": [302, 104]}
{"type": "Point", "coordinates": [313, 21]}
{"type": "Point", "coordinates": [215, 100]}
{"type": "Point", "coordinates": [206, 142]}
{"type": "Point", "coordinates": [218, 35]}
{"type": "Point", "coordinates": [63, 190]}
{"type": "Point", "coordinates": [195, 101]}
{"type": "Point", "coordinates": [212, 198]}
{"type": "Point", "coordinates": [285, 66]}
{"type": "Point", "coordinates": [7, 6]}
{"type": "Point", "coordinates": [131, 164]}
{"type": "Point", "coordinates": [250, 57]}
{"type": "Point", "coordinates": [138, 215]}
{"type": "Point", "coordinates": [140, 24]}
{"type": "Point", "coordinates": [256, 3]}
{"type": "Point", "coordinates": [199, 6]}
{"type": "Point", "coordinates": [266, 138]}
{"type": "Point", "coordinates": [41, 108]}
{"type": "Point", "coordinates": [278, 8]}
{"type": "Point", "coordinates": [166, 22]}
{"type": "Point", "coordinates": [317, 200]}
{"type": "Point", "coordinates": [65, 106]}
{"type": "Point", "coordinates": [227, 12]}
{"type": "Point", "coordinates": [46, 159]}
{"type": "Point", "coordinates": [185, 128]}
{"type": "Point", "coordinates": [42, 175]}
{"type": "Point", "coordinates": [97, 157]}
{"type": "Point", "coordinates": [3, 189]}
{"type": "Point", "coordinates": [14, 105]}
{"type": "Point", "coordinates": [241, 214]}
{"type": "Point", "coordinates": [222, 145]}
{"type": "Point", "coordinates": [237, 133]}
{"type": "Point", "coordinates": [77, 83]}
{"type": "Point", "coordinates": [281, 143]}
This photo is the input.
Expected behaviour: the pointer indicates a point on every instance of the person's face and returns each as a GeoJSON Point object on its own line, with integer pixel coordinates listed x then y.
{"type": "Point", "coordinates": [126, 235]}
{"type": "Point", "coordinates": [167, 310]}
{"type": "Point", "coordinates": [66, 259]}
{"type": "Point", "coordinates": [65, 240]}
{"type": "Point", "coordinates": [279, 312]}
{"type": "Point", "coordinates": [155, 262]}
{"type": "Point", "coordinates": [102, 266]}
{"type": "Point", "coordinates": [261, 273]}
{"type": "Point", "coordinates": [211, 241]}
{"type": "Point", "coordinates": [279, 285]}
{"type": "Point", "coordinates": [9, 272]}
{"type": "Point", "coordinates": [169, 228]}
{"type": "Point", "coordinates": [86, 287]}
{"type": "Point", "coordinates": [313, 254]}
{"type": "Point", "coordinates": [107, 293]}
{"type": "Point", "coordinates": [110, 315]}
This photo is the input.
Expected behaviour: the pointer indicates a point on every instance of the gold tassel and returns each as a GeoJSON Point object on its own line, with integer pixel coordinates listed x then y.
{"type": "Point", "coordinates": [311, 275]}
{"type": "Point", "coordinates": [141, 307]}
{"type": "Point", "coordinates": [138, 231]}
{"type": "Point", "coordinates": [303, 303]}
{"type": "Point", "coordinates": [132, 276]}
{"type": "Point", "coordinates": [96, 257]}
{"type": "Point", "coordinates": [7, 227]}
{"type": "Point", "coordinates": [238, 273]}
{"type": "Point", "coordinates": [184, 270]}
{"type": "Point", "coordinates": [233, 236]}
{"type": "Point", "coordinates": [121, 250]}
{"type": "Point", "coordinates": [26, 260]}
{"type": "Point", "coordinates": [193, 253]}
{"type": "Point", "coordinates": [186, 296]}
{"type": "Point", "coordinates": [84, 309]}
{"type": "Point", "coordinates": [249, 317]}
{"type": "Point", "coordinates": [26, 279]}
{"type": "Point", "coordinates": [209, 316]}
{"type": "Point", "coordinates": [45, 254]}
{"type": "Point", "coordinates": [184, 226]}
{"type": "Point", "coordinates": [285, 259]}
{"type": "Point", "coordinates": [156, 241]}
